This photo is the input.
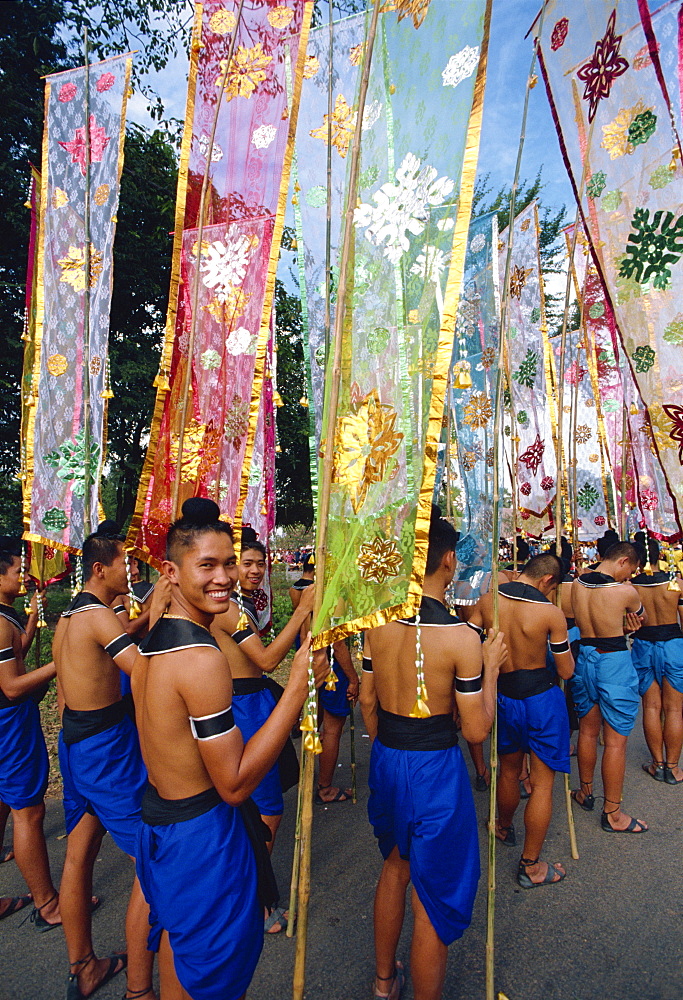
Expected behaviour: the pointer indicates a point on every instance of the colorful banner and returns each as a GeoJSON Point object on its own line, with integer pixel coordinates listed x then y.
{"type": "Point", "coordinates": [419, 149]}
{"type": "Point", "coordinates": [624, 161]}
{"type": "Point", "coordinates": [66, 359]}
{"type": "Point", "coordinates": [205, 427]}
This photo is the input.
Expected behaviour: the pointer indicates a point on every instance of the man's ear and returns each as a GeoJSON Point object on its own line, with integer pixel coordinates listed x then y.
{"type": "Point", "coordinates": [170, 570]}
{"type": "Point", "coordinates": [98, 570]}
{"type": "Point", "coordinates": [449, 560]}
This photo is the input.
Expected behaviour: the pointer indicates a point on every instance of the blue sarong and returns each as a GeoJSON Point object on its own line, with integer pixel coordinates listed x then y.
{"type": "Point", "coordinates": [421, 802]}
{"type": "Point", "coordinates": [537, 724]}
{"type": "Point", "coordinates": [199, 877]}
{"type": "Point", "coordinates": [336, 702]}
{"type": "Point", "coordinates": [610, 681]}
{"type": "Point", "coordinates": [24, 765]}
{"type": "Point", "coordinates": [250, 712]}
{"type": "Point", "coordinates": [656, 661]}
{"type": "Point", "coordinates": [104, 775]}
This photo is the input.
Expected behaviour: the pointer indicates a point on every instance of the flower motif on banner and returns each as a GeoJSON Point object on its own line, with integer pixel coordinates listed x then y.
{"type": "Point", "coordinates": [594, 457]}
{"type": "Point", "coordinates": [73, 268]}
{"type": "Point", "coordinates": [642, 127]}
{"type": "Point", "coordinates": [469, 460]}
{"type": "Point", "coordinates": [239, 342]}
{"type": "Point", "coordinates": [68, 461]}
{"type": "Point", "coordinates": [599, 520]}
{"type": "Point", "coordinates": [478, 410]}
{"type": "Point", "coordinates": [652, 246]}
{"type": "Point", "coordinates": [378, 560]}
{"type": "Point", "coordinates": [528, 370]}
{"type": "Point", "coordinates": [431, 264]}
{"type": "Point", "coordinates": [603, 68]}
{"type": "Point", "coordinates": [587, 496]}
{"type": "Point", "coordinates": [225, 264]}
{"type": "Point", "coordinates": [280, 17]}
{"type": "Point", "coordinates": [316, 196]}
{"type": "Point", "coordinates": [377, 340]}
{"type": "Point", "coordinates": [222, 21]}
{"type": "Point", "coordinates": [660, 177]}
{"type": "Point", "coordinates": [236, 420]}
{"type": "Point", "coordinates": [642, 57]}
{"type": "Point", "coordinates": [488, 357]}
{"type": "Point", "coordinates": [583, 434]}
{"type": "Point", "coordinates": [311, 67]}
{"type": "Point", "coordinates": [370, 116]}
{"type": "Point", "coordinates": [67, 92]}
{"type": "Point", "coordinates": [210, 360]}
{"type": "Point", "coordinates": [547, 483]}
{"type": "Point", "coordinates": [247, 71]}
{"type": "Point", "coordinates": [198, 446]}
{"type": "Point", "coordinates": [478, 243]}
{"type": "Point", "coordinates": [597, 310]}
{"type": "Point", "coordinates": [95, 365]}
{"type": "Point", "coordinates": [101, 194]}
{"type": "Point", "coordinates": [518, 280]}
{"type": "Point", "coordinates": [235, 303]}
{"type": "Point", "coordinates": [57, 365]}
{"type": "Point", "coordinates": [631, 127]}
{"type": "Point", "coordinates": [216, 152]}
{"type": "Point", "coordinates": [55, 519]}
{"type": "Point", "coordinates": [644, 358]}
{"type": "Point", "coordinates": [533, 456]}
{"type": "Point", "coordinates": [522, 417]}
{"type": "Point", "coordinates": [403, 207]}
{"type": "Point", "coordinates": [105, 82]}
{"type": "Point", "coordinates": [460, 66]}
{"type": "Point", "coordinates": [673, 332]}
{"type": "Point", "coordinates": [98, 143]}
{"type": "Point", "coordinates": [596, 184]}
{"type": "Point", "coordinates": [365, 441]}
{"type": "Point", "coordinates": [557, 39]}
{"type": "Point", "coordinates": [525, 489]}
{"type": "Point", "coordinates": [675, 414]}
{"type": "Point", "coordinates": [575, 373]}
{"type": "Point", "coordinates": [649, 500]}
{"type": "Point", "coordinates": [356, 54]}
{"type": "Point", "coordinates": [343, 124]}
{"type": "Point", "coordinates": [262, 136]}
{"type": "Point", "coordinates": [417, 9]}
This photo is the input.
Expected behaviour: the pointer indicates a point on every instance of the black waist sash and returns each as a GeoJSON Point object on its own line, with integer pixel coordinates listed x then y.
{"type": "Point", "coordinates": [163, 812]}
{"type": "Point", "coordinates": [251, 685]}
{"type": "Point", "coordinates": [77, 726]}
{"type": "Point", "coordinates": [571, 622]}
{"type": "Point", "coordinates": [399, 732]}
{"type": "Point", "coordinates": [609, 644]}
{"type": "Point", "coordinates": [288, 762]}
{"type": "Point", "coordinates": [520, 684]}
{"type": "Point", "coordinates": [659, 633]}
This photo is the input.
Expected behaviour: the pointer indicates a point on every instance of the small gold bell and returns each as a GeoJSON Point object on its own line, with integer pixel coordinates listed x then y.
{"type": "Point", "coordinates": [307, 724]}
{"type": "Point", "coordinates": [673, 585]}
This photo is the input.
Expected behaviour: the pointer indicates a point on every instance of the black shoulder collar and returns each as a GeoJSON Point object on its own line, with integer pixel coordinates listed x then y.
{"type": "Point", "coordinates": [8, 612]}
{"type": "Point", "coordinates": [172, 634]}
{"type": "Point", "coordinates": [301, 584]}
{"type": "Point", "coordinates": [594, 580]}
{"type": "Point", "coordinates": [83, 602]}
{"type": "Point", "coordinates": [518, 591]}
{"type": "Point", "coordinates": [432, 612]}
{"type": "Point", "coordinates": [655, 579]}
{"type": "Point", "coordinates": [245, 603]}
{"type": "Point", "coordinates": [142, 590]}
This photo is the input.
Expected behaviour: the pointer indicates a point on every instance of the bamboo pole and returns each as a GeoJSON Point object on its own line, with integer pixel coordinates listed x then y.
{"type": "Point", "coordinates": [197, 275]}
{"type": "Point", "coordinates": [87, 471]}
{"type": "Point", "coordinates": [352, 733]}
{"type": "Point", "coordinates": [296, 863]}
{"type": "Point", "coordinates": [324, 500]}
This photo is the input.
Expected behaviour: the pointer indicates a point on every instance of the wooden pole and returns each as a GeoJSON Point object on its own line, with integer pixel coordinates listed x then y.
{"type": "Point", "coordinates": [324, 501]}
{"type": "Point", "coordinates": [87, 471]}
{"type": "Point", "coordinates": [352, 733]}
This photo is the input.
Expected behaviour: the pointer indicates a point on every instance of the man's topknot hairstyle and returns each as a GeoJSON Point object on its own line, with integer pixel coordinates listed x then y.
{"type": "Point", "coordinates": [199, 516]}
{"type": "Point", "coordinates": [249, 540]}
{"type": "Point", "coordinates": [607, 540]}
{"type": "Point", "coordinates": [442, 539]}
{"type": "Point", "coordinates": [9, 548]}
{"type": "Point", "coordinates": [101, 546]}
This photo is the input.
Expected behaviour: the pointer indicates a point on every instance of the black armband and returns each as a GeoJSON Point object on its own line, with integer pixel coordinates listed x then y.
{"type": "Point", "coordinates": [7, 654]}
{"type": "Point", "coordinates": [680, 601]}
{"type": "Point", "coordinates": [560, 647]}
{"type": "Point", "coordinates": [367, 665]}
{"type": "Point", "coordinates": [117, 646]}
{"type": "Point", "coordinates": [208, 727]}
{"type": "Point", "coordinates": [242, 634]}
{"type": "Point", "coordinates": [468, 685]}
{"type": "Point", "coordinates": [119, 608]}
{"type": "Point", "coordinates": [640, 610]}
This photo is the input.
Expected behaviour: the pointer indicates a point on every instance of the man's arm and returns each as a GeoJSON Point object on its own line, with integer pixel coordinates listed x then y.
{"type": "Point", "coordinates": [342, 656]}
{"type": "Point", "coordinates": [368, 694]}
{"type": "Point", "coordinates": [476, 676]}
{"type": "Point", "coordinates": [114, 640]}
{"type": "Point", "coordinates": [14, 681]}
{"type": "Point", "coordinates": [635, 613]}
{"type": "Point", "coordinates": [267, 658]}
{"type": "Point", "coordinates": [236, 768]}
{"type": "Point", "coordinates": [559, 643]}
{"type": "Point", "coordinates": [31, 624]}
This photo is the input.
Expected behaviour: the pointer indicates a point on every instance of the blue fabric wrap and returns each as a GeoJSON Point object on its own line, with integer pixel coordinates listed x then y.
{"type": "Point", "coordinates": [655, 661]}
{"type": "Point", "coordinates": [421, 802]}
{"type": "Point", "coordinates": [199, 878]}
{"type": "Point", "coordinates": [336, 702]}
{"type": "Point", "coordinates": [537, 724]}
{"type": "Point", "coordinates": [24, 765]}
{"type": "Point", "coordinates": [105, 776]}
{"type": "Point", "coordinates": [251, 711]}
{"type": "Point", "coordinates": [610, 681]}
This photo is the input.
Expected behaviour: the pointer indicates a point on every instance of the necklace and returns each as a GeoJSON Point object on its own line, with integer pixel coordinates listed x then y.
{"type": "Point", "coordinates": [184, 618]}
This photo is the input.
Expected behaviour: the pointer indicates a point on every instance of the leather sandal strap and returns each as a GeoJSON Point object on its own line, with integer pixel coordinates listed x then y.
{"type": "Point", "coordinates": [84, 961]}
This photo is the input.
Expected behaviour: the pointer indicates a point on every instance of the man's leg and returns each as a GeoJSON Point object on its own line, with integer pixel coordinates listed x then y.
{"type": "Point", "coordinates": [169, 983]}
{"type": "Point", "coordinates": [390, 901]}
{"type": "Point", "coordinates": [273, 824]}
{"type": "Point", "coordinates": [613, 768]}
{"type": "Point", "coordinates": [477, 755]}
{"type": "Point", "coordinates": [673, 727]}
{"type": "Point", "coordinates": [30, 851]}
{"type": "Point", "coordinates": [428, 955]}
{"type": "Point", "coordinates": [652, 724]}
{"type": "Point", "coordinates": [537, 815]}
{"type": "Point", "coordinates": [6, 853]}
{"type": "Point", "coordinates": [507, 796]}
{"type": "Point", "coordinates": [140, 961]}
{"type": "Point", "coordinates": [333, 726]}
{"type": "Point", "coordinates": [587, 751]}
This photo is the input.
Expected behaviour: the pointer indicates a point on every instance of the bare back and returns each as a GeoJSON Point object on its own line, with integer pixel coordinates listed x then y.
{"type": "Point", "coordinates": [223, 627]}
{"type": "Point", "coordinates": [661, 604]}
{"type": "Point", "coordinates": [527, 627]}
{"type": "Point", "coordinates": [599, 612]}
{"type": "Point", "coordinates": [88, 677]}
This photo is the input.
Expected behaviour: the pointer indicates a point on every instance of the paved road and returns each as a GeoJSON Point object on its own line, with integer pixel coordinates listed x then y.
{"type": "Point", "coordinates": [611, 930]}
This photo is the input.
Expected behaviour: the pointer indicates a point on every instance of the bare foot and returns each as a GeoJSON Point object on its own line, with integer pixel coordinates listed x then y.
{"type": "Point", "coordinates": [6, 854]}
{"type": "Point", "coordinates": [275, 921]}
{"type": "Point", "coordinates": [331, 794]}
{"type": "Point", "coordinates": [10, 905]}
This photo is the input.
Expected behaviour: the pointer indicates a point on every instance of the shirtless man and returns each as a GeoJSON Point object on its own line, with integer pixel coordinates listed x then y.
{"type": "Point", "coordinates": [196, 863]}
{"type": "Point", "coordinates": [421, 804]}
{"type": "Point", "coordinates": [532, 712]}
{"type": "Point", "coordinates": [101, 765]}
{"type": "Point", "coordinates": [24, 765]}
{"type": "Point", "coordinates": [658, 658]}
{"type": "Point", "coordinates": [605, 682]}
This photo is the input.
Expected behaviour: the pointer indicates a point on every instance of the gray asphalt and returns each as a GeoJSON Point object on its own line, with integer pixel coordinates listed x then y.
{"type": "Point", "coordinates": [610, 930]}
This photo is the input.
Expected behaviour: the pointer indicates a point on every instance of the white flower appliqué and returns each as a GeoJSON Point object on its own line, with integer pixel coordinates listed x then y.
{"type": "Point", "coordinates": [430, 264]}
{"type": "Point", "coordinates": [478, 243]}
{"type": "Point", "coordinates": [225, 265]}
{"type": "Point", "coordinates": [216, 153]}
{"type": "Point", "coordinates": [371, 114]}
{"type": "Point", "coordinates": [239, 341]}
{"type": "Point", "coordinates": [262, 136]}
{"type": "Point", "coordinates": [460, 66]}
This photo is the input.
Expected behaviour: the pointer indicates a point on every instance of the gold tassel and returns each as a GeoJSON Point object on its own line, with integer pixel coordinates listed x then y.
{"type": "Point", "coordinates": [331, 681]}
{"type": "Point", "coordinates": [420, 710]}
{"type": "Point", "coordinates": [303, 402]}
{"type": "Point", "coordinates": [106, 394]}
{"type": "Point", "coordinates": [464, 379]}
{"type": "Point", "coordinates": [242, 622]}
{"type": "Point", "coordinates": [161, 382]}
{"type": "Point", "coordinates": [312, 743]}
{"type": "Point", "coordinates": [673, 585]}
{"type": "Point", "coordinates": [647, 568]}
{"type": "Point", "coordinates": [307, 724]}
{"type": "Point", "coordinates": [135, 610]}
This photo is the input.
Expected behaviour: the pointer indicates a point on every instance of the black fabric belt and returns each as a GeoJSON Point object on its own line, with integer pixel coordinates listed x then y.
{"type": "Point", "coordinates": [659, 633]}
{"type": "Point", "coordinates": [78, 726]}
{"type": "Point", "coordinates": [520, 684]}
{"type": "Point", "coordinates": [162, 812]}
{"type": "Point", "coordinates": [248, 685]}
{"type": "Point", "coordinates": [571, 622]}
{"type": "Point", "coordinates": [608, 644]}
{"type": "Point", "coordinates": [399, 732]}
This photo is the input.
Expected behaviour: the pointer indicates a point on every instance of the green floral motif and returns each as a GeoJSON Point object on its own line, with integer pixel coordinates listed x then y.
{"type": "Point", "coordinates": [596, 185]}
{"type": "Point", "coordinates": [507, 398]}
{"type": "Point", "coordinates": [587, 496]}
{"type": "Point", "coordinates": [673, 333]}
{"type": "Point", "coordinates": [316, 196]}
{"type": "Point", "coordinates": [627, 288]}
{"type": "Point", "coordinates": [528, 370]}
{"type": "Point", "coordinates": [377, 340]}
{"type": "Point", "coordinates": [68, 461]}
{"type": "Point", "coordinates": [55, 519]}
{"type": "Point", "coordinates": [660, 177]}
{"type": "Point", "coordinates": [512, 332]}
{"type": "Point", "coordinates": [597, 310]}
{"type": "Point", "coordinates": [535, 314]}
{"type": "Point", "coordinates": [320, 356]}
{"type": "Point", "coordinates": [611, 201]}
{"type": "Point", "coordinates": [368, 177]}
{"type": "Point", "coordinates": [610, 405]}
{"type": "Point", "coordinates": [522, 417]}
{"type": "Point", "coordinates": [652, 247]}
{"type": "Point", "coordinates": [642, 127]}
{"type": "Point", "coordinates": [507, 431]}
{"type": "Point", "coordinates": [644, 358]}
{"type": "Point", "coordinates": [210, 360]}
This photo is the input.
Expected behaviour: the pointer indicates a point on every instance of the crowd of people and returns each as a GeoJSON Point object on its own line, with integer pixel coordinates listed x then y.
{"type": "Point", "coordinates": [176, 740]}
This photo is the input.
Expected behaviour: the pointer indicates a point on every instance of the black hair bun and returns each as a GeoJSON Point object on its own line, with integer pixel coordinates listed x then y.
{"type": "Point", "coordinates": [436, 513]}
{"type": "Point", "coordinates": [10, 545]}
{"type": "Point", "coordinates": [248, 535]}
{"type": "Point", "coordinates": [200, 510]}
{"type": "Point", "coordinates": [107, 529]}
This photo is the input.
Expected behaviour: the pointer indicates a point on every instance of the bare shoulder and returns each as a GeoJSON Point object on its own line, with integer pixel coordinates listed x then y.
{"type": "Point", "coordinates": [227, 621]}
{"type": "Point", "coordinates": [465, 646]}
{"type": "Point", "coordinates": [7, 632]}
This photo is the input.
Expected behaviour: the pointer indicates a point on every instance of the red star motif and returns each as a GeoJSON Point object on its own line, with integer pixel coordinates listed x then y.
{"type": "Point", "coordinates": [98, 144]}
{"type": "Point", "coordinates": [533, 456]}
{"type": "Point", "coordinates": [675, 413]}
{"type": "Point", "coordinates": [600, 72]}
